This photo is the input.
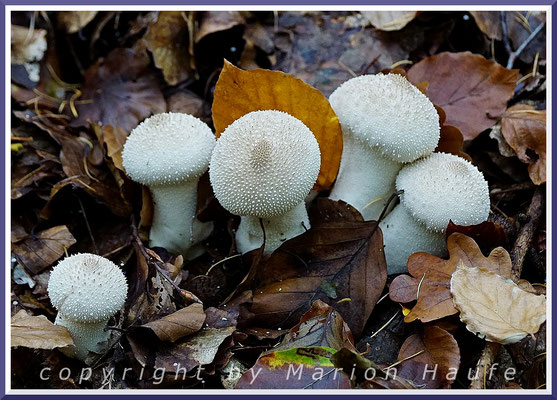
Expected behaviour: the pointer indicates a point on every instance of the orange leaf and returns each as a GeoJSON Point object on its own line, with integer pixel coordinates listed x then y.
{"type": "Point", "coordinates": [434, 276]}
{"type": "Point", "coordinates": [239, 92]}
{"type": "Point", "coordinates": [472, 90]}
{"type": "Point", "coordinates": [524, 129]}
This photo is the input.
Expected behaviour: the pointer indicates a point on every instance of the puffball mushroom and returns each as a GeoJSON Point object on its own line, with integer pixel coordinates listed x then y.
{"type": "Point", "coordinates": [386, 121]}
{"type": "Point", "coordinates": [169, 152]}
{"type": "Point", "coordinates": [437, 189]}
{"type": "Point", "coordinates": [263, 166]}
{"type": "Point", "coordinates": [87, 290]}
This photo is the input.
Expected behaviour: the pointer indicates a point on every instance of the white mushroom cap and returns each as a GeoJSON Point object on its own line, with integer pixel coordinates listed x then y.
{"type": "Point", "coordinates": [168, 148]}
{"type": "Point", "coordinates": [388, 113]}
{"type": "Point", "coordinates": [264, 164]}
{"type": "Point", "coordinates": [444, 187]}
{"type": "Point", "coordinates": [87, 288]}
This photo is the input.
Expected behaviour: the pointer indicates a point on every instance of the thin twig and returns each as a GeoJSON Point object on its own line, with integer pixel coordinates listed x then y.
{"type": "Point", "coordinates": [515, 54]}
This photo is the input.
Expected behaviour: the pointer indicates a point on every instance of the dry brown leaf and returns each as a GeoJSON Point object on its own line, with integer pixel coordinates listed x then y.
{"type": "Point", "coordinates": [216, 21]}
{"type": "Point", "coordinates": [27, 46]}
{"type": "Point", "coordinates": [489, 23]}
{"type": "Point", "coordinates": [433, 275]}
{"type": "Point", "coordinates": [178, 324]}
{"type": "Point", "coordinates": [123, 90]}
{"type": "Point", "coordinates": [389, 20]}
{"type": "Point", "coordinates": [439, 350]}
{"type": "Point", "coordinates": [114, 137]}
{"type": "Point", "coordinates": [239, 92]}
{"type": "Point", "coordinates": [524, 129]}
{"type": "Point", "coordinates": [74, 21]}
{"type": "Point", "coordinates": [37, 332]}
{"type": "Point", "coordinates": [473, 91]}
{"type": "Point", "coordinates": [39, 251]}
{"type": "Point", "coordinates": [167, 39]}
{"type": "Point", "coordinates": [494, 307]}
{"type": "Point", "coordinates": [487, 234]}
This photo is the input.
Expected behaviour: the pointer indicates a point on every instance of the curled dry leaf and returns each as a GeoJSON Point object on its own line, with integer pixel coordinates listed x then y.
{"type": "Point", "coordinates": [494, 307]}
{"type": "Point", "coordinates": [439, 350]}
{"type": "Point", "coordinates": [216, 21]}
{"type": "Point", "coordinates": [321, 326]}
{"type": "Point", "coordinates": [524, 129]}
{"type": "Point", "coordinates": [74, 21]}
{"type": "Point", "coordinates": [329, 262]}
{"type": "Point", "coordinates": [296, 368]}
{"type": "Point", "coordinates": [239, 92]}
{"type": "Point", "coordinates": [487, 234]}
{"type": "Point", "coordinates": [432, 277]}
{"type": "Point", "coordinates": [37, 332]}
{"type": "Point", "coordinates": [168, 40]}
{"type": "Point", "coordinates": [489, 23]}
{"type": "Point", "coordinates": [389, 20]}
{"type": "Point", "coordinates": [178, 324]}
{"type": "Point", "coordinates": [122, 89]}
{"type": "Point", "coordinates": [41, 250]}
{"type": "Point", "coordinates": [472, 90]}
{"type": "Point", "coordinates": [114, 138]}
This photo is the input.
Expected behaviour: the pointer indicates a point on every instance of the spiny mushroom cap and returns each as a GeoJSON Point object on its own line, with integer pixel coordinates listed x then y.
{"type": "Point", "coordinates": [388, 113]}
{"type": "Point", "coordinates": [87, 288]}
{"type": "Point", "coordinates": [264, 164]}
{"type": "Point", "coordinates": [168, 148]}
{"type": "Point", "coordinates": [444, 187]}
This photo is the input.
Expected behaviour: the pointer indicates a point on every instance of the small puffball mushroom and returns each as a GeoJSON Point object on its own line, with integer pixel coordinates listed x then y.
{"type": "Point", "coordinates": [263, 166]}
{"type": "Point", "coordinates": [87, 290]}
{"type": "Point", "coordinates": [437, 189]}
{"type": "Point", "coordinates": [168, 153]}
{"type": "Point", "coordinates": [386, 121]}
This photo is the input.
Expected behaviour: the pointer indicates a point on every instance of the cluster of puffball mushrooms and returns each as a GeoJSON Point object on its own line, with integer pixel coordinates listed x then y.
{"type": "Point", "coordinates": [263, 167]}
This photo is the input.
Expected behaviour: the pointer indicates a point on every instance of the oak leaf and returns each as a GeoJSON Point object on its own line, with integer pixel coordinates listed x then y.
{"type": "Point", "coordinates": [494, 307]}
{"type": "Point", "coordinates": [524, 129]}
{"type": "Point", "coordinates": [239, 92]}
{"type": "Point", "coordinates": [432, 276]}
{"type": "Point", "coordinates": [472, 90]}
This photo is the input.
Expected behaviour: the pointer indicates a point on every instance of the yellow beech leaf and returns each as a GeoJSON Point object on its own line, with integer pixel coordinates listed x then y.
{"type": "Point", "coordinates": [239, 92]}
{"type": "Point", "coordinates": [494, 307]}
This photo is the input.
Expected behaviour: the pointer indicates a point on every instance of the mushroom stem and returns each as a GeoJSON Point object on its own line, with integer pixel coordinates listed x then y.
{"type": "Point", "coordinates": [403, 235]}
{"type": "Point", "coordinates": [174, 224]}
{"type": "Point", "coordinates": [354, 185]}
{"type": "Point", "coordinates": [86, 336]}
{"type": "Point", "coordinates": [277, 229]}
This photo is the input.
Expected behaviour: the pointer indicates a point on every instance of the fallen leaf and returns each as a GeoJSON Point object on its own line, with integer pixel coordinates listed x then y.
{"type": "Point", "coordinates": [524, 129]}
{"type": "Point", "coordinates": [114, 138]}
{"type": "Point", "coordinates": [122, 90]}
{"type": "Point", "coordinates": [473, 91]}
{"type": "Point", "coordinates": [433, 275]}
{"type": "Point", "coordinates": [37, 332]}
{"type": "Point", "coordinates": [296, 368]}
{"type": "Point", "coordinates": [187, 102]}
{"type": "Point", "coordinates": [345, 257]}
{"type": "Point", "coordinates": [389, 20]}
{"type": "Point", "coordinates": [495, 308]}
{"type": "Point", "coordinates": [74, 21]}
{"type": "Point", "coordinates": [487, 234]}
{"type": "Point", "coordinates": [239, 92]}
{"type": "Point", "coordinates": [216, 21]}
{"type": "Point", "coordinates": [41, 250]}
{"type": "Point", "coordinates": [489, 23]}
{"type": "Point", "coordinates": [320, 326]}
{"type": "Point", "coordinates": [178, 324]}
{"type": "Point", "coordinates": [439, 350]}
{"type": "Point", "coordinates": [520, 25]}
{"type": "Point", "coordinates": [326, 211]}
{"type": "Point", "coordinates": [404, 289]}
{"type": "Point", "coordinates": [199, 348]}
{"type": "Point", "coordinates": [168, 40]}
{"type": "Point", "coordinates": [366, 373]}
{"type": "Point", "coordinates": [27, 48]}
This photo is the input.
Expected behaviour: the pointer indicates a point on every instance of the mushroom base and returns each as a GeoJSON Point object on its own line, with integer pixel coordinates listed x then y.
{"type": "Point", "coordinates": [277, 230]}
{"type": "Point", "coordinates": [403, 236]}
{"type": "Point", "coordinates": [86, 336]}
{"type": "Point", "coordinates": [365, 179]}
{"type": "Point", "coordinates": [174, 224]}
